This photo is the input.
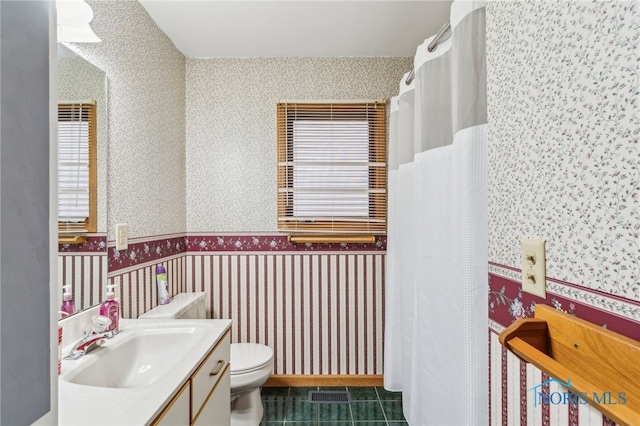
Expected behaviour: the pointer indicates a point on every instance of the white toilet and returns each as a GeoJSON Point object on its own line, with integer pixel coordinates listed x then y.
{"type": "Point", "coordinates": [251, 366]}
{"type": "Point", "coordinates": [251, 363]}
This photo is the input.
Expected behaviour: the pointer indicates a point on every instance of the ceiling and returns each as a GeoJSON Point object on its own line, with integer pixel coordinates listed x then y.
{"type": "Point", "coordinates": [302, 28]}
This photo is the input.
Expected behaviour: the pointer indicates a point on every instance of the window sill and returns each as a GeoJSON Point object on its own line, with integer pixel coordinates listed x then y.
{"type": "Point", "coordinates": [72, 239]}
{"type": "Point", "coordinates": [329, 239]}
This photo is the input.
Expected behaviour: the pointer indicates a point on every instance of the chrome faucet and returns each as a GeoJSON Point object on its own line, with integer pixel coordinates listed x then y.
{"type": "Point", "coordinates": [93, 338]}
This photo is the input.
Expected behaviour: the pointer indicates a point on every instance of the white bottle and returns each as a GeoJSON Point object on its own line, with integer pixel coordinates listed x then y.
{"type": "Point", "coordinates": [111, 309]}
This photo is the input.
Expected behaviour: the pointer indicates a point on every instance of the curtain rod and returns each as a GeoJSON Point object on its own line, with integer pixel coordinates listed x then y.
{"type": "Point", "coordinates": [431, 47]}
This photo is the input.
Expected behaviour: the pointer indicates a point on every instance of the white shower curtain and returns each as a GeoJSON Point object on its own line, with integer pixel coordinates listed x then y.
{"type": "Point", "coordinates": [436, 317]}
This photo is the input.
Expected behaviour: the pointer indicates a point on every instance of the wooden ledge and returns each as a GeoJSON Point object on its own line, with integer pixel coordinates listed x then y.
{"type": "Point", "coordinates": [71, 239]}
{"type": "Point", "coordinates": [331, 239]}
{"type": "Point", "coordinates": [599, 365]}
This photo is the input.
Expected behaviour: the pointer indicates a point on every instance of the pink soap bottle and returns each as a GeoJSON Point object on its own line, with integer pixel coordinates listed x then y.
{"type": "Point", "coordinates": [111, 309]}
{"type": "Point", "coordinates": [67, 301]}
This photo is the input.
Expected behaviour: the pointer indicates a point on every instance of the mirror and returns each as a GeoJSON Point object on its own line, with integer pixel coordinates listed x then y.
{"type": "Point", "coordinates": [83, 267]}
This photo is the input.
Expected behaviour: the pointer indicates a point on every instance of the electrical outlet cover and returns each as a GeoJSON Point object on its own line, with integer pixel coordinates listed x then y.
{"type": "Point", "coordinates": [534, 267]}
{"type": "Point", "coordinates": [122, 236]}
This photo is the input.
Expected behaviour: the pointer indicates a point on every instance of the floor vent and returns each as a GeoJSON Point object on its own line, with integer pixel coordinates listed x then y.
{"type": "Point", "coordinates": [329, 397]}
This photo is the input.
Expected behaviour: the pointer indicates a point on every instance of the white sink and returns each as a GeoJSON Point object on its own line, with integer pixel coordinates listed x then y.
{"type": "Point", "coordinates": [129, 379]}
{"type": "Point", "coordinates": [136, 357]}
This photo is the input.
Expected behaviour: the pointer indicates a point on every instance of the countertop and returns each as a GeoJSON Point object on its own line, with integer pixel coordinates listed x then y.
{"type": "Point", "coordinates": [89, 405]}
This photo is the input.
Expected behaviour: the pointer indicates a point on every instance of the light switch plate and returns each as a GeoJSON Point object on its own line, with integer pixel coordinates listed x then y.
{"type": "Point", "coordinates": [122, 236]}
{"type": "Point", "coordinates": [534, 267]}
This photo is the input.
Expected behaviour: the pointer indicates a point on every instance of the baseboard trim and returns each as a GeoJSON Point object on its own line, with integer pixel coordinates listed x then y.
{"type": "Point", "coordinates": [290, 380]}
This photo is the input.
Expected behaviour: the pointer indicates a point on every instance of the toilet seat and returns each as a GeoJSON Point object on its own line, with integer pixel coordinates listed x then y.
{"type": "Point", "coordinates": [248, 357]}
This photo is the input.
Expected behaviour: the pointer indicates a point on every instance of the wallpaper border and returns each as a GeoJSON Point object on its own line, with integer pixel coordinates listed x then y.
{"type": "Point", "coordinates": [507, 302]}
{"type": "Point", "coordinates": [279, 242]}
{"type": "Point", "coordinates": [153, 249]}
{"type": "Point", "coordinates": [95, 243]}
{"type": "Point", "coordinates": [143, 250]}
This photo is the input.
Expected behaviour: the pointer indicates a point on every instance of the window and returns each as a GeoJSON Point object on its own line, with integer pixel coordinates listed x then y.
{"type": "Point", "coordinates": [332, 167]}
{"type": "Point", "coordinates": [77, 174]}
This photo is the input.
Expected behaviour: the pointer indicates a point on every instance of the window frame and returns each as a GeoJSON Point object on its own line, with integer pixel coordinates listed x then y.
{"type": "Point", "coordinates": [375, 113]}
{"type": "Point", "coordinates": [89, 225]}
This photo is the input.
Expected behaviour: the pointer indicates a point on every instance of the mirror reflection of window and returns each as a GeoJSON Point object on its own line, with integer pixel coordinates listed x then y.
{"type": "Point", "coordinates": [82, 255]}
{"type": "Point", "coordinates": [77, 167]}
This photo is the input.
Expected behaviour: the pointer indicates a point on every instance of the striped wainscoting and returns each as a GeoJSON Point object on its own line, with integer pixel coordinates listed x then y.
{"type": "Point", "coordinates": [321, 311]}
{"type": "Point", "coordinates": [513, 385]}
{"type": "Point", "coordinates": [137, 284]}
{"type": "Point", "coordinates": [84, 268]}
{"type": "Point", "coordinates": [86, 273]}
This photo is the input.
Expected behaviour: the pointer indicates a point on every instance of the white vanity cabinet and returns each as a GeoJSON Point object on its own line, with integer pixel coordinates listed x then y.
{"type": "Point", "coordinates": [210, 388]}
{"type": "Point", "coordinates": [177, 411]}
{"type": "Point", "coordinates": [205, 399]}
{"type": "Point", "coordinates": [216, 411]}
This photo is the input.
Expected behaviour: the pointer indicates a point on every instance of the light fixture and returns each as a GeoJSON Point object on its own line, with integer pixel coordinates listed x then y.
{"type": "Point", "coordinates": [73, 22]}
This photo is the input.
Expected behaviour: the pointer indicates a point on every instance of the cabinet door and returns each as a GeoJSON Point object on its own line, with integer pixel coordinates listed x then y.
{"type": "Point", "coordinates": [177, 411]}
{"type": "Point", "coordinates": [208, 373]}
{"type": "Point", "coordinates": [216, 410]}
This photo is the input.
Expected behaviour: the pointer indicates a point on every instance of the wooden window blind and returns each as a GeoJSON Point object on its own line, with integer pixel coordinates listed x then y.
{"type": "Point", "coordinates": [77, 167]}
{"type": "Point", "coordinates": [332, 167]}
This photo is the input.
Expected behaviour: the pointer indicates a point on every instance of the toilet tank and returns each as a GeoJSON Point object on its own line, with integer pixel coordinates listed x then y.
{"type": "Point", "coordinates": [182, 306]}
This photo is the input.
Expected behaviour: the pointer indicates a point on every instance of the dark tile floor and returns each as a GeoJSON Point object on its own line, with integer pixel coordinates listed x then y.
{"type": "Point", "coordinates": [369, 406]}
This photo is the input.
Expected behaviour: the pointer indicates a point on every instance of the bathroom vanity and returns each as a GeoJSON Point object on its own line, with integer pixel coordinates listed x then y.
{"type": "Point", "coordinates": [158, 372]}
{"type": "Point", "coordinates": [204, 399]}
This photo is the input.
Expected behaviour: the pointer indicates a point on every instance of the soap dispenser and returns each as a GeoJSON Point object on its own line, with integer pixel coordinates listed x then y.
{"type": "Point", "coordinates": [111, 309]}
{"type": "Point", "coordinates": [68, 305]}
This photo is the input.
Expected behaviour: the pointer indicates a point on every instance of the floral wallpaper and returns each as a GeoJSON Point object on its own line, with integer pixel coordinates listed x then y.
{"type": "Point", "coordinates": [231, 128]}
{"type": "Point", "coordinates": [564, 166]}
{"type": "Point", "coordinates": [564, 158]}
{"type": "Point", "coordinates": [146, 118]}
{"type": "Point", "coordinates": [227, 171]}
